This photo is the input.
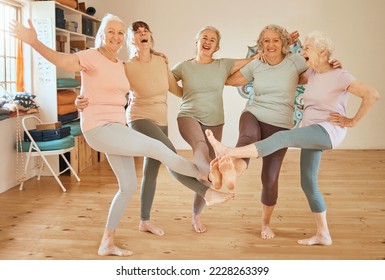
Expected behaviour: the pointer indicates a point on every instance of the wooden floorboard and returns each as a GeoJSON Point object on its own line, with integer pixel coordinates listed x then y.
{"type": "Point", "coordinates": [41, 222]}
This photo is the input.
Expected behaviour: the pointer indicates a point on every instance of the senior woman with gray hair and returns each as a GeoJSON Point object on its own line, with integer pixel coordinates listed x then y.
{"type": "Point", "coordinates": [203, 79]}
{"type": "Point", "coordinates": [324, 124]}
{"type": "Point", "coordinates": [271, 110]}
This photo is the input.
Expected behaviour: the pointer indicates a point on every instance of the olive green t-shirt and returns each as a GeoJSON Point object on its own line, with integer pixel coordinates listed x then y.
{"type": "Point", "coordinates": [203, 89]}
{"type": "Point", "coordinates": [274, 89]}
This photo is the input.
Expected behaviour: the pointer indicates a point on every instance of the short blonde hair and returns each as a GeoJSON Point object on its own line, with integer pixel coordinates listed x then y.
{"type": "Point", "coordinates": [283, 34]}
{"type": "Point", "coordinates": [321, 41]}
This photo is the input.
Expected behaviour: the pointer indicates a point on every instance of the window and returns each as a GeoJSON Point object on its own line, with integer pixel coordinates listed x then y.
{"type": "Point", "coordinates": [9, 10]}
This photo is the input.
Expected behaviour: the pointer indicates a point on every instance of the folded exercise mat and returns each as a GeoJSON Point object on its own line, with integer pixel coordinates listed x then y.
{"type": "Point", "coordinates": [67, 83]}
{"type": "Point", "coordinates": [68, 117]}
{"type": "Point", "coordinates": [64, 143]}
{"type": "Point", "coordinates": [48, 135]}
{"type": "Point", "coordinates": [64, 109]}
{"type": "Point", "coordinates": [75, 128]}
{"type": "Point", "coordinates": [66, 97]}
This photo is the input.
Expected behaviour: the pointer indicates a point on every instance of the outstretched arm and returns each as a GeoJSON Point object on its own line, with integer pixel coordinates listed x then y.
{"type": "Point", "coordinates": [69, 62]}
{"type": "Point", "coordinates": [239, 63]}
{"type": "Point", "coordinates": [368, 95]}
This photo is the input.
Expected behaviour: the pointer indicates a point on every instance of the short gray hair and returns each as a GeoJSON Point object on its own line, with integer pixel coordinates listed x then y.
{"type": "Point", "coordinates": [321, 40]}
{"type": "Point", "coordinates": [102, 28]}
{"type": "Point", "coordinates": [212, 28]}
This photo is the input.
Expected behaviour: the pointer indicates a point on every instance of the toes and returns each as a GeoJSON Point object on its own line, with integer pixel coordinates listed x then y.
{"type": "Point", "coordinates": [199, 228]}
{"type": "Point", "coordinates": [209, 133]}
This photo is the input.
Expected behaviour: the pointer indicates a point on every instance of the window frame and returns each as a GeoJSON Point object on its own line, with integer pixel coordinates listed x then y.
{"type": "Point", "coordinates": [9, 10]}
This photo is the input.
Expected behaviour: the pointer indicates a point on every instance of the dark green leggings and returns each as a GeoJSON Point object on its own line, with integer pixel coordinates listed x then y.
{"type": "Point", "coordinates": [151, 167]}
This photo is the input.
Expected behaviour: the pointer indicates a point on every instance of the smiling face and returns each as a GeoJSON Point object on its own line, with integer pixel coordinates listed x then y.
{"type": "Point", "coordinates": [317, 50]}
{"type": "Point", "coordinates": [207, 43]}
{"type": "Point", "coordinates": [311, 54]}
{"type": "Point", "coordinates": [113, 36]}
{"type": "Point", "coordinates": [271, 44]}
{"type": "Point", "coordinates": [142, 38]}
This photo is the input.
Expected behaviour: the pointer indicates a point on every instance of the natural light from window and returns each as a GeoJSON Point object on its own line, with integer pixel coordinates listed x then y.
{"type": "Point", "coordinates": [9, 10]}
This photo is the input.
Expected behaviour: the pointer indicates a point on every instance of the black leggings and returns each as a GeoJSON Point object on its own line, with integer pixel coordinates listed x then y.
{"type": "Point", "coordinates": [250, 131]}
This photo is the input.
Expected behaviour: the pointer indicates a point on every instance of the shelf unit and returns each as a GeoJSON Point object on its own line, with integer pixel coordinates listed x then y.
{"type": "Point", "coordinates": [44, 73]}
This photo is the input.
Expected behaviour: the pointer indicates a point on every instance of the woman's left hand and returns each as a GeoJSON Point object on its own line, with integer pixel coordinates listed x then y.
{"type": "Point", "coordinates": [259, 55]}
{"type": "Point", "coordinates": [335, 63]}
{"type": "Point", "coordinates": [293, 37]}
{"type": "Point", "coordinates": [340, 120]}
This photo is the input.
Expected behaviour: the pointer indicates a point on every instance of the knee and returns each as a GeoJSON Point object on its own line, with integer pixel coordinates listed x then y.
{"type": "Point", "coordinates": [308, 183]}
{"type": "Point", "coordinates": [128, 187]}
{"type": "Point", "coordinates": [270, 180]}
{"type": "Point", "coordinates": [246, 139]}
{"type": "Point", "coordinates": [126, 191]}
{"type": "Point", "coordinates": [313, 195]}
{"type": "Point", "coordinates": [269, 196]}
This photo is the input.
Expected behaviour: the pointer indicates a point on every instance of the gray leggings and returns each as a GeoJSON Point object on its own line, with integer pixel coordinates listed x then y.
{"type": "Point", "coordinates": [120, 144]}
{"type": "Point", "coordinates": [312, 140]}
{"type": "Point", "coordinates": [151, 167]}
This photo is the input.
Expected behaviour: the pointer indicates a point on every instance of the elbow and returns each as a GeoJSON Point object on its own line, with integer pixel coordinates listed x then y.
{"type": "Point", "coordinates": [230, 82]}
{"type": "Point", "coordinates": [375, 96]}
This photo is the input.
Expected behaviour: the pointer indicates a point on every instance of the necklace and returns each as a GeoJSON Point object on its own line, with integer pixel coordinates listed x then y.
{"type": "Point", "coordinates": [108, 54]}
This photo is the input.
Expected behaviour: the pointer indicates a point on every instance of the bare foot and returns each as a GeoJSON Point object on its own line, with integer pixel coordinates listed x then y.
{"type": "Point", "coordinates": [147, 226]}
{"type": "Point", "coordinates": [229, 174]}
{"type": "Point", "coordinates": [213, 197]}
{"type": "Point", "coordinates": [218, 147]}
{"type": "Point", "coordinates": [197, 224]}
{"type": "Point", "coordinates": [318, 239]}
{"type": "Point", "coordinates": [267, 233]}
{"type": "Point", "coordinates": [215, 175]}
{"type": "Point", "coordinates": [113, 250]}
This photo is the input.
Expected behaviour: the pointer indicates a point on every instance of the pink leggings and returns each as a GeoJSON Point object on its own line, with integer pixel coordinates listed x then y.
{"type": "Point", "coordinates": [250, 131]}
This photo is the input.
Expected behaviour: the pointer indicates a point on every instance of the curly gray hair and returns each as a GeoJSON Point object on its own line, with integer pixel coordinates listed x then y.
{"type": "Point", "coordinates": [283, 34]}
{"type": "Point", "coordinates": [321, 41]}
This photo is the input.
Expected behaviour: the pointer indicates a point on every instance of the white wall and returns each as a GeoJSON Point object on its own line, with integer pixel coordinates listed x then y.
{"type": "Point", "coordinates": [355, 25]}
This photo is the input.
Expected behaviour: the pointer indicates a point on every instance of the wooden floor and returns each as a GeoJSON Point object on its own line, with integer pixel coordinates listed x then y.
{"type": "Point", "coordinates": [42, 222]}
